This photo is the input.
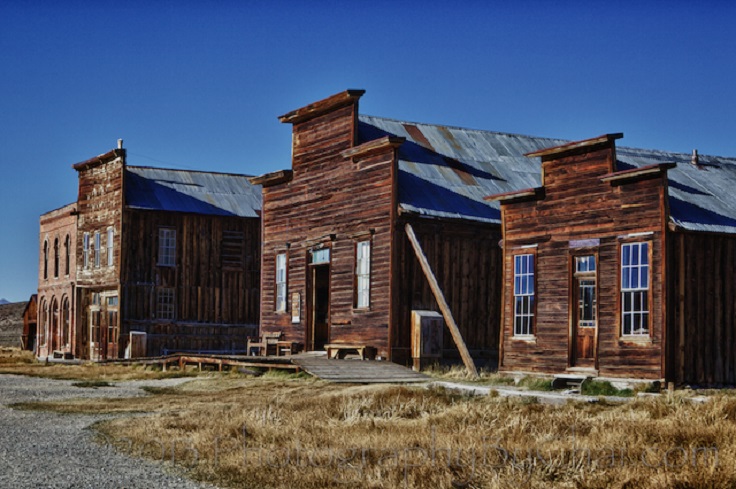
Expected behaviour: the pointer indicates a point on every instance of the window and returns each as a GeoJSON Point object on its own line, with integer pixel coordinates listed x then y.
{"type": "Point", "coordinates": [232, 250]}
{"type": "Point", "coordinates": [362, 274]}
{"type": "Point", "coordinates": [45, 259]}
{"type": "Point", "coordinates": [523, 295]}
{"type": "Point", "coordinates": [85, 250]}
{"type": "Point", "coordinates": [110, 257]}
{"type": "Point", "coordinates": [65, 320]}
{"type": "Point", "coordinates": [635, 289]}
{"type": "Point", "coordinates": [281, 282]}
{"type": "Point", "coordinates": [67, 254]}
{"type": "Point", "coordinates": [97, 249]}
{"type": "Point", "coordinates": [165, 303]}
{"type": "Point", "coordinates": [167, 247]}
{"type": "Point", "coordinates": [56, 257]}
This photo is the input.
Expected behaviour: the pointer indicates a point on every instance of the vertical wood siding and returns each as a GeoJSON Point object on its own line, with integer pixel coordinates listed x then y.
{"type": "Point", "coordinates": [702, 308]}
{"type": "Point", "coordinates": [217, 301]}
{"type": "Point", "coordinates": [466, 260]}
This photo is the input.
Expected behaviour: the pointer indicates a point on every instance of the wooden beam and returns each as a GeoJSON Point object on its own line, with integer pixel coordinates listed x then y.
{"type": "Point", "coordinates": [440, 297]}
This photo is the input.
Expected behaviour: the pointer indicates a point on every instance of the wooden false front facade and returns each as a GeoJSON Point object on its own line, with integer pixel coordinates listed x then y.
{"type": "Point", "coordinates": [340, 199]}
{"type": "Point", "coordinates": [571, 249]}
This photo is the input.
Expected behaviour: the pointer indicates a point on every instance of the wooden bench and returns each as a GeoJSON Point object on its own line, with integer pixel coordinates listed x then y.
{"type": "Point", "coordinates": [340, 350]}
{"type": "Point", "coordinates": [265, 343]}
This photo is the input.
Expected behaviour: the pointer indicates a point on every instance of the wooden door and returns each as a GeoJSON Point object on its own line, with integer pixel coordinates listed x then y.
{"type": "Point", "coordinates": [584, 309]}
{"type": "Point", "coordinates": [95, 333]}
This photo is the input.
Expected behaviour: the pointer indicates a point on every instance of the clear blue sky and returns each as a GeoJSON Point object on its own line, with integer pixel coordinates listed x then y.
{"type": "Point", "coordinates": [199, 85]}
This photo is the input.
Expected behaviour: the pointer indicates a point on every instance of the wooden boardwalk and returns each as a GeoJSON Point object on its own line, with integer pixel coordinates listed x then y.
{"type": "Point", "coordinates": [349, 370]}
{"type": "Point", "coordinates": [356, 371]}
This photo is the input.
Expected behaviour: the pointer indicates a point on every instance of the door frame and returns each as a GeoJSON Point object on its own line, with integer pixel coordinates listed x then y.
{"type": "Point", "coordinates": [573, 307]}
{"type": "Point", "coordinates": [311, 290]}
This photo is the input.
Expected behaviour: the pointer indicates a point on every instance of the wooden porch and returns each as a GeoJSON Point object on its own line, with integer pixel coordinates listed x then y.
{"type": "Point", "coordinates": [349, 370]}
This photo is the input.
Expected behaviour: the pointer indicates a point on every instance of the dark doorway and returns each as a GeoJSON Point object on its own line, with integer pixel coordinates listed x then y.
{"type": "Point", "coordinates": [318, 334]}
{"type": "Point", "coordinates": [584, 308]}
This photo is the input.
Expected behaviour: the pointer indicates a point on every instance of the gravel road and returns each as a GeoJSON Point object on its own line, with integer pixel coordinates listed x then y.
{"type": "Point", "coordinates": [49, 450]}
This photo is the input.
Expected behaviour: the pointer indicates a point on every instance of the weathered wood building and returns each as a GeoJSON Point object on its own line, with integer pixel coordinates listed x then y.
{"type": "Point", "coordinates": [30, 323]}
{"type": "Point", "coordinates": [621, 262]}
{"type": "Point", "coordinates": [337, 263]}
{"type": "Point", "coordinates": [164, 260]}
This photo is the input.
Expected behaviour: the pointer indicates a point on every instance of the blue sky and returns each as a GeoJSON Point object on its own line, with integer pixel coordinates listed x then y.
{"type": "Point", "coordinates": [200, 85]}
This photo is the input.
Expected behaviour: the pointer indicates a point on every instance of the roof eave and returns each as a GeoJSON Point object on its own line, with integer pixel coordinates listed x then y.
{"type": "Point", "coordinates": [322, 107]}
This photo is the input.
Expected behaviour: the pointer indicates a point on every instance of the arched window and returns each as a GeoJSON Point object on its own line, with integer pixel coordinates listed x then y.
{"type": "Point", "coordinates": [45, 259]}
{"type": "Point", "coordinates": [54, 330]}
{"type": "Point", "coordinates": [44, 322]}
{"type": "Point", "coordinates": [67, 253]}
{"type": "Point", "coordinates": [65, 320]}
{"type": "Point", "coordinates": [56, 258]}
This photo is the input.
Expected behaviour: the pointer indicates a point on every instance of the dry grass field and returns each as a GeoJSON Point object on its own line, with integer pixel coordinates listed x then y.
{"type": "Point", "coordinates": [21, 362]}
{"type": "Point", "coordinates": [292, 431]}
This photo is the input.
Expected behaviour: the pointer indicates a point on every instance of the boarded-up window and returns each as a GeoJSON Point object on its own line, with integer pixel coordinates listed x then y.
{"type": "Point", "coordinates": [167, 247]}
{"type": "Point", "coordinates": [362, 274]}
{"type": "Point", "coordinates": [523, 295]}
{"type": "Point", "coordinates": [165, 303]}
{"type": "Point", "coordinates": [635, 288]}
{"type": "Point", "coordinates": [232, 250]}
{"type": "Point", "coordinates": [281, 282]}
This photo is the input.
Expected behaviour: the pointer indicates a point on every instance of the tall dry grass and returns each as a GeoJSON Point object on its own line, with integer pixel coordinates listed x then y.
{"type": "Point", "coordinates": [276, 432]}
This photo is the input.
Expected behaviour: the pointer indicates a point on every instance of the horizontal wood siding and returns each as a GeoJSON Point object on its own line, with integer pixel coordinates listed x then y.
{"type": "Point", "coordinates": [702, 308]}
{"type": "Point", "coordinates": [578, 206]}
{"type": "Point", "coordinates": [466, 260]}
{"type": "Point", "coordinates": [331, 201]}
{"type": "Point", "coordinates": [214, 286]}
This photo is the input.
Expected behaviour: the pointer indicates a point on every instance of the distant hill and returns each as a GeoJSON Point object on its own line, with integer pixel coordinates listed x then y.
{"type": "Point", "coordinates": [11, 323]}
{"type": "Point", "coordinates": [4, 301]}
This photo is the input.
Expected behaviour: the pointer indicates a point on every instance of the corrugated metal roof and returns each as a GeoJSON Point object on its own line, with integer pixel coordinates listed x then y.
{"type": "Point", "coordinates": [702, 197]}
{"type": "Point", "coordinates": [446, 172]}
{"type": "Point", "coordinates": [191, 191]}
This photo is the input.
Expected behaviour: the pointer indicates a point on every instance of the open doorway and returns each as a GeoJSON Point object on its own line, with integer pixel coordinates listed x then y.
{"type": "Point", "coordinates": [318, 299]}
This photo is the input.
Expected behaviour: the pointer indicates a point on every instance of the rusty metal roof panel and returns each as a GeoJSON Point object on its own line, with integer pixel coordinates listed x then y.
{"type": "Point", "coordinates": [195, 192]}
{"type": "Point", "coordinates": [446, 171]}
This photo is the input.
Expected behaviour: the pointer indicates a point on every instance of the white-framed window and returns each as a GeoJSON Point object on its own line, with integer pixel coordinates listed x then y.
{"type": "Point", "coordinates": [635, 289]}
{"type": "Point", "coordinates": [281, 282]}
{"type": "Point", "coordinates": [167, 247]}
{"type": "Point", "coordinates": [524, 295]}
{"type": "Point", "coordinates": [362, 274]}
{"type": "Point", "coordinates": [165, 303]}
{"type": "Point", "coordinates": [110, 256]}
{"type": "Point", "coordinates": [97, 249]}
{"type": "Point", "coordinates": [85, 250]}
